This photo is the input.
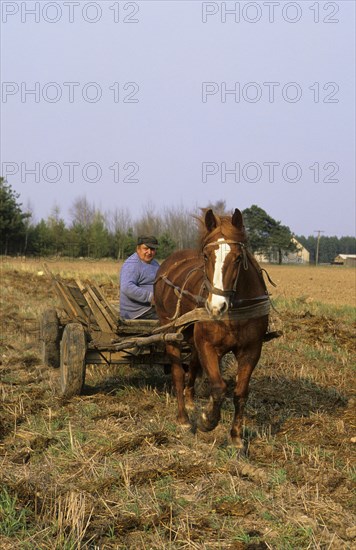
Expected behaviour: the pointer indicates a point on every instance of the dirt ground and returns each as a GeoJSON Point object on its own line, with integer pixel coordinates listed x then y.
{"type": "Point", "coordinates": [326, 284]}
{"type": "Point", "coordinates": [110, 469]}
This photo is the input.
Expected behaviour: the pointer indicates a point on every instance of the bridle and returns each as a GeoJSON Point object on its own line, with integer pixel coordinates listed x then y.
{"type": "Point", "coordinates": [241, 260]}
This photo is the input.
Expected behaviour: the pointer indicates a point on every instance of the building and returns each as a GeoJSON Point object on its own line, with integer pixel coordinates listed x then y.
{"type": "Point", "coordinates": [345, 259]}
{"type": "Point", "coordinates": [300, 256]}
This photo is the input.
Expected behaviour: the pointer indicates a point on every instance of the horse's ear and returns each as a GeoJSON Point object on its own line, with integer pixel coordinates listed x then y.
{"type": "Point", "coordinates": [210, 220]}
{"type": "Point", "coordinates": [237, 220]}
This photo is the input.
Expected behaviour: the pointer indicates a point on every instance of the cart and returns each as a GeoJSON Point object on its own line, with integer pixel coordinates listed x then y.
{"type": "Point", "coordinates": [88, 331]}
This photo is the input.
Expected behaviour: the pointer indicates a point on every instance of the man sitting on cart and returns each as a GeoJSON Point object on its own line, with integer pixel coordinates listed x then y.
{"type": "Point", "coordinates": [136, 281]}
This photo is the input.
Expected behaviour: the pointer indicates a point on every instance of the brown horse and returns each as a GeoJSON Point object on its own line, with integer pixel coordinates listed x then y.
{"type": "Point", "coordinates": [224, 278]}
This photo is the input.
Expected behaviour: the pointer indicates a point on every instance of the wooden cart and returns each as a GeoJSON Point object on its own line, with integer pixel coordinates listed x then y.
{"type": "Point", "coordinates": [88, 331]}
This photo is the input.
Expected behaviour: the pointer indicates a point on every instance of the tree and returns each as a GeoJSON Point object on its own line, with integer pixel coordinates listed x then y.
{"type": "Point", "coordinates": [347, 245]}
{"type": "Point", "coordinates": [266, 235]}
{"type": "Point", "coordinates": [57, 232]}
{"type": "Point", "coordinates": [29, 223]}
{"type": "Point", "coordinates": [218, 207]}
{"type": "Point", "coordinates": [83, 215]}
{"type": "Point", "coordinates": [40, 239]}
{"type": "Point", "coordinates": [281, 241]}
{"type": "Point", "coordinates": [98, 237]}
{"type": "Point", "coordinates": [150, 223]}
{"type": "Point", "coordinates": [166, 245]}
{"type": "Point", "coordinates": [119, 224]}
{"type": "Point", "coordinates": [12, 219]}
{"type": "Point", "coordinates": [180, 225]}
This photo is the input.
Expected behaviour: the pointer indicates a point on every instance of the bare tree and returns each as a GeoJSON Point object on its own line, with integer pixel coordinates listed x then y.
{"type": "Point", "coordinates": [150, 222]}
{"type": "Point", "coordinates": [219, 207]}
{"type": "Point", "coordinates": [82, 213]}
{"type": "Point", "coordinates": [180, 224]}
{"type": "Point", "coordinates": [119, 220]}
{"type": "Point", "coordinates": [119, 223]}
{"type": "Point", "coordinates": [29, 222]}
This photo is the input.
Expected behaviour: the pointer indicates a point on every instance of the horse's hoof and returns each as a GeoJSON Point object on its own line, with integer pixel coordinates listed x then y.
{"type": "Point", "coordinates": [185, 427]}
{"type": "Point", "coordinates": [184, 422]}
{"type": "Point", "coordinates": [237, 442]}
{"type": "Point", "coordinates": [239, 445]}
{"type": "Point", "coordinates": [204, 424]}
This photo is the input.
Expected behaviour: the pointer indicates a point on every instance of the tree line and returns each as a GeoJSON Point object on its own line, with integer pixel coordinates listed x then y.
{"type": "Point", "coordinates": [92, 233]}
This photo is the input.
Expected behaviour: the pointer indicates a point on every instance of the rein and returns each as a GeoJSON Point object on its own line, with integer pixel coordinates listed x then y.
{"type": "Point", "coordinates": [181, 292]}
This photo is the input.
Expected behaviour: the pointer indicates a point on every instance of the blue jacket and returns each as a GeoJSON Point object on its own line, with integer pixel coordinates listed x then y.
{"type": "Point", "coordinates": [136, 286]}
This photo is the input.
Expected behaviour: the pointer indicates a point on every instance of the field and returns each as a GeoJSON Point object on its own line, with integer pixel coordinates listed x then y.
{"type": "Point", "coordinates": [110, 469]}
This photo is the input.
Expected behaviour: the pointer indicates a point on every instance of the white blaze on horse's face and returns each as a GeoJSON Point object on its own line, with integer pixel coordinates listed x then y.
{"type": "Point", "coordinates": [217, 304]}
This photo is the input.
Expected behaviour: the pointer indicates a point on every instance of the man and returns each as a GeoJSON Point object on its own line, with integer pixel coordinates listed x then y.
{"type": "Point", "coordinates": [136, 281]}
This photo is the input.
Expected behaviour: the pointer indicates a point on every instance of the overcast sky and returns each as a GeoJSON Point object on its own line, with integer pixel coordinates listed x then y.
{"type": "Point", "coordinates": [182, 103]}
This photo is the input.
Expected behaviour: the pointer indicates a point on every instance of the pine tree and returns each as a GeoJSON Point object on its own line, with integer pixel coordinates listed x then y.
{"type": "Point", "coordinates": [12, 220]}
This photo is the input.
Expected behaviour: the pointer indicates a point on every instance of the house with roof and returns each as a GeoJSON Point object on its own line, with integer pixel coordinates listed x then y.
{"type": "Point", "coordinates": [300, 255]}
{"type": "Point", "coordinates": [345, 259]}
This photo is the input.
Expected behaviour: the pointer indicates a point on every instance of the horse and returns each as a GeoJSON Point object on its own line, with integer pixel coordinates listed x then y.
{"type": "Point", "coordinates": [222, 281]}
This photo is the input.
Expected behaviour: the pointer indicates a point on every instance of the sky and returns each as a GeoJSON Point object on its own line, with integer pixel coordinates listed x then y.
{"type": "Point", "coordinates": [138, 104]}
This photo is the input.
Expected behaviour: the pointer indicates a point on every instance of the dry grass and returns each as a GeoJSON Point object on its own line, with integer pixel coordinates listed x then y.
{"type": "Point", "coordinates": [111, 470]}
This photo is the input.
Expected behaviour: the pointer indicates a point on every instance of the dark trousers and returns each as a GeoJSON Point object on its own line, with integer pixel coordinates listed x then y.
{"type": "Point", "coordinates": [150, 314]}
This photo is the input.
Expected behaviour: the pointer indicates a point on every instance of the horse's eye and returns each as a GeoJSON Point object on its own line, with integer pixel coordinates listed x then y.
{"type": "Point", "coordinates": [205, 258]}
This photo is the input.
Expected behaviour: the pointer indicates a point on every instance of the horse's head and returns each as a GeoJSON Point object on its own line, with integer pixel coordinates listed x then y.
{"type": "Point", "coordinates": [223, 248]}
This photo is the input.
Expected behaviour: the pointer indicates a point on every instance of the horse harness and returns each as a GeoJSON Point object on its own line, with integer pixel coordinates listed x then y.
{"type": "Point", "coordinates": [229, 292]}
{"type": "Point", "coordinates": [250, 310]}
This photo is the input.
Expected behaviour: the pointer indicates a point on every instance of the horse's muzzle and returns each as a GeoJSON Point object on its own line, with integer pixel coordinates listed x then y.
{"type": "Point", "coordinates": [216, 310]}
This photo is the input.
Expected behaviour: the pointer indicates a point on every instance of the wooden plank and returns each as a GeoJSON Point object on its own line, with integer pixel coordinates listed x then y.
{"type": "Point", "coordinates": [112, 323]}
{"type": "Point", "coordinates": [79, 298]}
{"type": "Point", "coordinates": [137, 326]}
{"type": "Point", "coordinates": [70, 305]}
{"type": "Point", "coordinates": [112, 314]}
{"type": "Point", "coordinates": [106, 357]}
{"type": "Point", "coordinates": [104, 306]}
{"type": "Point", "coordinates": [100, 318]}
{"type": "Point", "coordinates": [81, 301]}
{"type": "Point", "coordinates": [128, 343]}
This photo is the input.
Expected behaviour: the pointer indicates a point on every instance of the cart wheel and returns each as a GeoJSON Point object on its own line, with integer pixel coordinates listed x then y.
{"type": "Point", "coordinates": [72, 367]}
{"type": "Point", "coordinates": [50, 338]}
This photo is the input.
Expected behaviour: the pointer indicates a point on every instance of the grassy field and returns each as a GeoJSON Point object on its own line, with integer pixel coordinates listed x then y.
{"type": "Point", "coordinates": [110, 469]}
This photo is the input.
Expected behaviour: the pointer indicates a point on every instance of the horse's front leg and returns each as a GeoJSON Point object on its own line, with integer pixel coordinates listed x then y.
{"type": "Point", "coordinates": [209, 359]}
{"type": "Point", "coordinates": [247, 360]}
{"type": "Point", "coordinates": [189, 392]}
{"type": "Point", "coordinates": [178, 379]}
